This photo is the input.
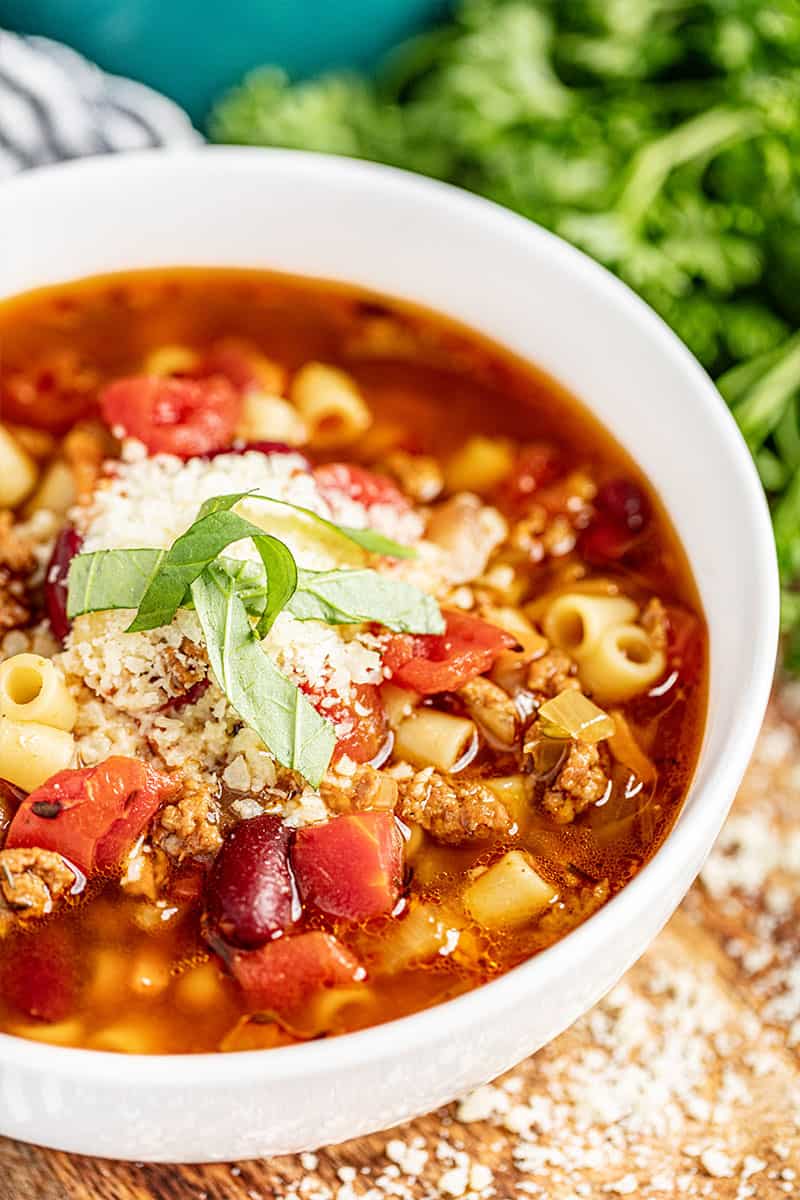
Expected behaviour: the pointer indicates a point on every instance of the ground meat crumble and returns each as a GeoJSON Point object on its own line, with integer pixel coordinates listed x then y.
{"type": "Point", "coordinates": [190, 826]}
{"type": "Point", "coordinates": [581, 781]}
{"type": "Point", "coordinates": [32, 880]}
{"type": "Point", "coordinates": [452, 810]}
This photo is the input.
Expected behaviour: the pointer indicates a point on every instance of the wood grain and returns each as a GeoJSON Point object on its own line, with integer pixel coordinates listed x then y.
{"type": "Point", "coordinates": [684, 1082]}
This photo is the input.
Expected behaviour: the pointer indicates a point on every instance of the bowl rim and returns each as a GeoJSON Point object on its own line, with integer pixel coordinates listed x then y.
{"type": "Point", "coordinates": [697, 824]}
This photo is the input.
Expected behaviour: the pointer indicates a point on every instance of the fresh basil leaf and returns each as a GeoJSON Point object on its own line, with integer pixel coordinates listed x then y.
{"type": "Point", "coordinates": [377, 543]}
{"type": "Point", "coordinates": [352, 597]}
{"type": "Point", "coordinates": [197, 548]}
{"type": "Point", "coordinates": [110, 579]}
{"type": "Point", "coordinates": [218, 503]}
{"type": "Point", "coordinates": [366, 539]}
{"type": "Point", "coordinates": [268, 702]}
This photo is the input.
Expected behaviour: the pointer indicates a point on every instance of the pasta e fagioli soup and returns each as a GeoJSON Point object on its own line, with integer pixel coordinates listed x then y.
{"type": "Point", "coordinates": [346, 662]}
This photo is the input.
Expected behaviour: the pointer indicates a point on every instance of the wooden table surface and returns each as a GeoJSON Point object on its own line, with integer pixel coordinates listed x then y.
{"type": "Point", "coordinates": [684, 1081]}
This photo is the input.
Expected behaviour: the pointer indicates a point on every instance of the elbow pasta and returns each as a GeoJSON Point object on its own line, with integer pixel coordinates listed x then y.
{"type": "Point", "coordinates": [30, 752]}
{"type": "Point", "coordinates": [429, 738]}
{"type": "Point", "coordinates": [330, 403]}
{"type": "Point", "coordinates": [18, 472]}
{"type": "Point", "coordinates": [32, 688]}
{"type": "Point", "coordinates": [622, 664]}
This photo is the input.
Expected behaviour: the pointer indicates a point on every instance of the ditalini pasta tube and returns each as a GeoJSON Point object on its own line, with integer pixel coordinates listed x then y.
{"type": "Point", "coordinates": [622, 664]}
{"type": "Point", "coordinates": [18, 471]}
{"type": "Point", "coordinates": [33, 688]}
{"type": "Point", "coordinates": [434, 739]}
{"type": "Point", "coordinates": [30, 753]}
{"type": "Point", "coordinates": [330, 404]}
{"type": "Point", "coordinates": [575, 621]}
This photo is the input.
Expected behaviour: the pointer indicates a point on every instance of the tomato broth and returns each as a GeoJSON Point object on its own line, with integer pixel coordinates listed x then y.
{"type": "Point", "coordinates": [486, 636]}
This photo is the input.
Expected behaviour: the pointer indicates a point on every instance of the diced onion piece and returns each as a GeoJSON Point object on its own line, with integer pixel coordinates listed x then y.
{"type": "Point", "coordinates": [626, 750]}
{"type": "Point", "coordinates": [33, 688]}
{"type": "Point", "coordinates": [429, 738]}
{"type": "Point", "coordinates": [509, 894]}
{"type": "Point", "coordinates": [56, 492]}
{"type": "Point", "coordinates": [30, 752]}
{"type": "Point", "coordinates": [18, 473]}
{"type": "Point", "coordinates": [479, 465]}
{"type": "Point", "coordinates": [270, 419]}
{"type": "Point", "coordinates": [330, 403]}
{"type": "Point", "coordinates": [573, 715]}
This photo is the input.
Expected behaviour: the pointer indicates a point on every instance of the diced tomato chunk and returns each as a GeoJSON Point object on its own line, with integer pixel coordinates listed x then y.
{"type": "Point", "coordinates": [38, 975]}
{"type": "Point", "coordinates": [352, 866]}
{"type": "Point", "coordinates": [685, 648]}
{"type": "Point", "coordinates": [283, 974]}
{"type": "Point", "coordinates": [360, 721]}
{"type": "Point", "coordinates": [67, 545]}
{"type": "Point", "coordinates": [91, 816]}
{"type": "Point", "coordinates": [185, 417]}
{"type": "Point", "coordinates": [359, 484]}
{"type": "Point", "coordinates": [430, 663]}
{"type": "Point", "coordinates": [50, 394]}
{"type": "Point", "coordinates": [242, 363]}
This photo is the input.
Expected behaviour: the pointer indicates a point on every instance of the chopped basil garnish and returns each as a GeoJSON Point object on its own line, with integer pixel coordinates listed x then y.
{"type": "Point", "coordinates": [269, 703]}
{"type": "Point", "coordinates": [215, 529]}
{"type": "Point", "coordinates": [237, 601]}
{"type": "Point", "coordinates": [352, 597]}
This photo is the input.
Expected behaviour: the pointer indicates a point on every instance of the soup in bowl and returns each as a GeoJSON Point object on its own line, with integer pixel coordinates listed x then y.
{"type": "Point", "coordinates": [364, 588]}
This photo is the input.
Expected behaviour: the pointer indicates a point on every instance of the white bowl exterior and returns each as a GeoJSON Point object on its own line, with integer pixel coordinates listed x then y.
{"type": "Point", "coordinates": [425, 242]}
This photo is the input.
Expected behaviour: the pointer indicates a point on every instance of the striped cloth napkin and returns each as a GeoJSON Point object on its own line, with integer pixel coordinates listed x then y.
{"type": "Point", "coordinates": [55, 104]}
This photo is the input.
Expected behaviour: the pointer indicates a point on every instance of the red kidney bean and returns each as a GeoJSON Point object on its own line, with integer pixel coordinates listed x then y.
{"type": "Point", "coordinates": [625, 503]}
{"type": "Point", "coordinates": [622, 514]}
{"type": "Point", "coordinates": [68, 544]}
{"type": "Point", "coordinates": [249, 893]}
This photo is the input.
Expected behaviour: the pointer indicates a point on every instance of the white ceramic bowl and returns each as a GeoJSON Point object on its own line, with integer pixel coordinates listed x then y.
{"type": "Point", "coordinates": [426, 242]}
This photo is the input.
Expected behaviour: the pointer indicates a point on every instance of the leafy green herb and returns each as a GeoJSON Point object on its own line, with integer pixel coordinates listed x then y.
{"type": "Point", "coordinates": [295, 519]}
{"type": "Point", "coordinates": [268, 702]}
{"type": "Point", "coordinates": [663, 137]}
{"type": "Point", "coordinates": [237, 601]}
{"type": "Point", "coordinates": [352, 597]}
{"type": "Point", "coordinates": [197, 548]}
{"type": "Point", "coordinates": [110, 579]}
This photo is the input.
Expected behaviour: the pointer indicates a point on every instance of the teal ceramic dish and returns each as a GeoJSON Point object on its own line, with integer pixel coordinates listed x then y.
{"type": "Point", "coordinates": [194, 49]}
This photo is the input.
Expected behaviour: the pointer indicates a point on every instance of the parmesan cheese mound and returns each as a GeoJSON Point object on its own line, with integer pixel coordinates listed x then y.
{"type": "Point", "coordinates": [131, 687]}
